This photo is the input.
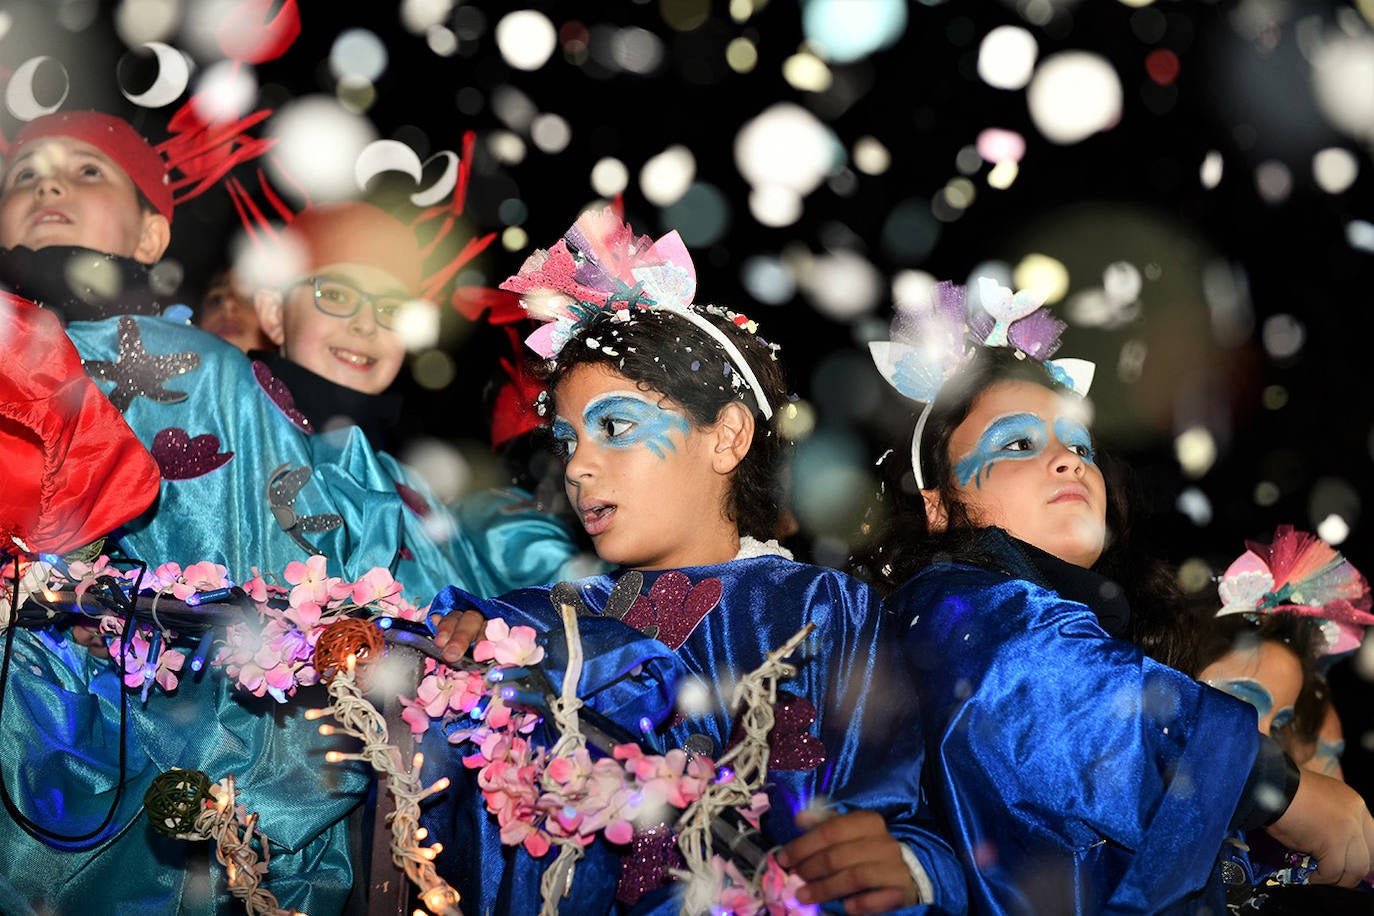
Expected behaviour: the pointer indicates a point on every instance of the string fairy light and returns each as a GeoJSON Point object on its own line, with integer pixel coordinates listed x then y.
{"type": "Point", "coordinates": [183, 804]}
{"type": "Point", "coordinates": [358, 718]}
{"type": "Point", "coordinates": [754, 697]}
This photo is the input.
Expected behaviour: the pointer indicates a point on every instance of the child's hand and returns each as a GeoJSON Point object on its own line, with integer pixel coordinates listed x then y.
{"type": "Point", "coordinates": [1329, 821]}
{"type": "Point", "coordinates": [457, 631]}
{"type": "Point", "coordinates": [850, 856]}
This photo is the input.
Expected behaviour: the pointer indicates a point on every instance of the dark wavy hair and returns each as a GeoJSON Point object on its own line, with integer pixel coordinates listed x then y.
{"type": "Point", "coordinates": [901, 543]}
{"type": "Point", "coordinates": [661, 352]}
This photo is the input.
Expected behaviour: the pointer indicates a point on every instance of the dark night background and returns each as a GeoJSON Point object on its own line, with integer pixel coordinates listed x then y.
{"type": "Point", "coordinates": [1251, 313]}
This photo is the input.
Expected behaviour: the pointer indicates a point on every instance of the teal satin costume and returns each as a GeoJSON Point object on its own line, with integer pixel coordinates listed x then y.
{"type": "Point", "coordinates": [247, 484]}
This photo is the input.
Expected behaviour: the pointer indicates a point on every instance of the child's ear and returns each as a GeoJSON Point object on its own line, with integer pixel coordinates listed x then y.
{"type": "Point", "coordinates": [937, 519]}
{"type": "Point", "coordinates": [156, 236]}
{"type": "Point", "coordinates": [733, 433]}
{"type": "Point", "coordinates": [268, 303]}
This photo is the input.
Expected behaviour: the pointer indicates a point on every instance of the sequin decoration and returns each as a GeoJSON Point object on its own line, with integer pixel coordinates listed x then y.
{"type": "Point", "coordinates": [674, 606]}
{"type": "Point", "coordinates": [282, 488]}
{"type": "Point", "coordinates": [279, 394]}
{"type": "Point", "coordinates": [646, 867]}
{"type": "Point", "coordinates": [791, 746]}
{"type": "Point", "coordinates": [136, 373]}
{"type": "Point", "coordinates": [179, 457]}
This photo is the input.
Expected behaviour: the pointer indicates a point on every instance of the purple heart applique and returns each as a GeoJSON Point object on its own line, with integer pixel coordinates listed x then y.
{"type": "Point", "coordinates": [675, 606]}
{"type": "Point", "coordinates": [280, 395]}
{"type": "Point", "coordinates": [180, 457]}
{"type": "Point", "coordinates": [791, 746]}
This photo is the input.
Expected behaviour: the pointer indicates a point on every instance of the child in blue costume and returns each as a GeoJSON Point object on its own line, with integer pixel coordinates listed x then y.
{"type": "Point", "coordinates": [664, 414]}
{"type": "Point", "coordinates": [1072, 772]}
{"type": "Point", "coordinates": [247, 482]}
{"type": "Point", "coordinates": [1287, 610]}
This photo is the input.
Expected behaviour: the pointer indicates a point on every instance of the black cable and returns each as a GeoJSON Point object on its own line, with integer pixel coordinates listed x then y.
{"type": "Point", "coordinates": [91, 839]}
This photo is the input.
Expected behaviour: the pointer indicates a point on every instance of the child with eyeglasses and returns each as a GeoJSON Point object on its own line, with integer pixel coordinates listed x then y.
{"type": "Point", "coordinates": [336, 322]}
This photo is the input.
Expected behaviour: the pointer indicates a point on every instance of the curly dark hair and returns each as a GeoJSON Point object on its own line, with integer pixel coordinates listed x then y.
{"type": "Point", "coordinates": [902, 544]}
{"type": "Point", "coordinates": [662, 352]}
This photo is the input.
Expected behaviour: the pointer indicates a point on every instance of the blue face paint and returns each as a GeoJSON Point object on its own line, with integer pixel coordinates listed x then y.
{"type": "Point", "coordinates": [1249, 690]}
{"type": "Point", "coordinates": [1282, 719]}
{"type": "Point", "coordinates": [1075, 437]}
{"type": "Point", "coordinates": [1328, 755]}
{"type": "Point", "coordinates": [1009, 438]}
{"type": "Point", "coordinates": [626, 420]}
{"type": "Point", "coordinates": [565, 436]}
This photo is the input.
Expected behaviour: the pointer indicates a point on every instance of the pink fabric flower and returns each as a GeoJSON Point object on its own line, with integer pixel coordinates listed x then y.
{"type": "Point", "coordinates": [508, 645]}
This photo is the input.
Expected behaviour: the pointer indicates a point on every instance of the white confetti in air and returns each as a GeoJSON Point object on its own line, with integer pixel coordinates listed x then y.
{"type": "Point", "coordinates": [1335, 169]}
{"type": "Point", "coordinates": [1343, 82]}
{"type": "Point", "coordinates": [1006, 57]}
{"type": "Point", "coordinates": [1073, 95]}
{"type": "Point", "coordinates": [1196, 451]}
{"type": "Point", "coordinates": [609, 177]}
{"type": "Point", "coordinates": [318, 143]}
{"type": "Point", "coordinates": [358, 54]}
{"type": "Point", "coordinates": [667, 176]}
{"type": "Point", "coordinates": [225, 91]}
{"type": "Point", "coordinates": [1210, 173]}
{"type": "Point", "coordinates": [526, 38]}
{"type": "Point", "coordinates": [1333, 529]}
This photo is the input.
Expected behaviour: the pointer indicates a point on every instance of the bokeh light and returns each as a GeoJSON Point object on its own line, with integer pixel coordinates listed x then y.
{"type": "Point", "coordinates": [1283, 336]}
{"type": "Point", "coordinates": [848, 30]}
{"type": "Point", "coordinates": [701, 215]}
{"type": "Point", "coordinates": [667, 176]}
{"type": "Point", "coordinates": [767, 279]}
{"type": "Point", "coordinates": [358, 54]}
{"type": "Point", "coordinates": [1006, 57]}
{"type": "Point", "coordinates": [870, 156]}
{"type": "Point", "coordinates": [807, 72]}
{"type": "Point", "coordinates": [225, 91]}
{"type": "Point", "coordinates": [1210, 172]}
{"type": "Point", "coordinates": [318, 143]}
{"type": "Point", "coordinates": [1194, 503]}
{"type": "Point", "coordinates": [1044, 275]}
{"type": "Point", "coordinates": [1073, 95]}
{"type": "Point", "coordinates": [141, 21]}
{"type": "Point", "coordinates": [551, 133]}
{"type": "Point", "coordinates": [609, 176]}
{"type": "Point", "coordinates": [526, 39]}
{"type": "Point", "coordinates": [1335, 169]}
{"type": "Point", "coordinates": [1343, 83]}
{"type": "Point", "coordinates": [419, 16]}
{"type": "Point", "coordinates": [996, 145]}
{"type": "Point", "coordinates": [1196, 451]}
{"type": "Point", "coordinates": [842, 284]}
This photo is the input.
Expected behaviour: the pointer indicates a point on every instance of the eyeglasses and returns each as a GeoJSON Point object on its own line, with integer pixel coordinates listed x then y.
{"type": "Point", "coordinates": [342, 300]}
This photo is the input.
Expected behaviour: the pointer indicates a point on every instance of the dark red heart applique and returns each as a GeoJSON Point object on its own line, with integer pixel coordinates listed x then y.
{"type": "Point", "coordinates": [280, 395]}
{"type": "Point", "coordinates": [791, 744]}
{"type": "Point", "coordinates": [675, 606]}
{"type": "Point", "coordinates": [180, 457]}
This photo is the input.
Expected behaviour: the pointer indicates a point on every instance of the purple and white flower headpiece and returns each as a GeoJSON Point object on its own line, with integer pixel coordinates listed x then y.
{"type": "Point", "coordinates": [931, 347]}
{"type": "Point", "coordinates": [600, 266]}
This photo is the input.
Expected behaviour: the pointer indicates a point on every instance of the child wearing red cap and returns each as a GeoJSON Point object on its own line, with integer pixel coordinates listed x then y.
{"type": "Point", "coordinates": [78, 184]}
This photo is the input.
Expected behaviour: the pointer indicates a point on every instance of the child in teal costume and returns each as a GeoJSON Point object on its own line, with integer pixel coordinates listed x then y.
{"type": "Point", "coordinates": [247, 482]}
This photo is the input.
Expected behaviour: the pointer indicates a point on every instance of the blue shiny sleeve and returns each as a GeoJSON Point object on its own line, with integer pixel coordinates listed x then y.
{"type": "Point", "coordinates": [1047, 740]}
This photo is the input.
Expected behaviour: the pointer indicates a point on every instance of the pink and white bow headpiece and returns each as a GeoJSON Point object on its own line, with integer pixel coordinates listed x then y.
{"type": "Point", "coordinates": [929, 349]}
{"type": "Point", "coordinates": [600, 266]}
{"type": "Point", "coordinates": [1303, 575]}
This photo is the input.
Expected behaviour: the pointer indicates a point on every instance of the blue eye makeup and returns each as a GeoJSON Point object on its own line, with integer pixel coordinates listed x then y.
{"type": "Point", "coordinates": [1009, 438]}
{"type": "Point", "coordinates": [1074, 436]}
{"type": "Point", "coordinates": [626, 420]}
{"type": "Point", "coordinates": [1249, 690]}
{"type": "Point", "coordinates": [565, 437]}
{"type": "Point", "coordinates": [1282, 719]}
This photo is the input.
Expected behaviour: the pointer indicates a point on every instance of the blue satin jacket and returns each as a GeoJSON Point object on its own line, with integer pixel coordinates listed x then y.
{"type": "Point", "coordinates": [1072, 773]}
{"type": "Point", "coordinates": [719, 623]}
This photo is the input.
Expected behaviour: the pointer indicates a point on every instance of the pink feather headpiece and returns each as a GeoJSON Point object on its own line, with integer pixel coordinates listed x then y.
{"type": "Point", "coordinates": [1300, 574]}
